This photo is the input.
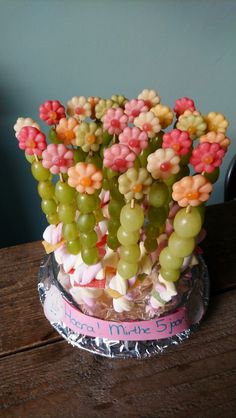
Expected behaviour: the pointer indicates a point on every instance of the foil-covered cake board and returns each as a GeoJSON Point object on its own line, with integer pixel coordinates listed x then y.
{"type": "Point", "coordinates": [171, 328]}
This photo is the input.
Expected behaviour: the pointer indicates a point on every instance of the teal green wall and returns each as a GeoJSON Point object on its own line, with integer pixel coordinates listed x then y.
{"type": "Point", "coordinates": [57, 49]}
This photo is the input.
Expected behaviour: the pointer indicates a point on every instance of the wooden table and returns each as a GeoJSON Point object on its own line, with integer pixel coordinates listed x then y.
{"type": "Point", "coordinates": [43, 376]}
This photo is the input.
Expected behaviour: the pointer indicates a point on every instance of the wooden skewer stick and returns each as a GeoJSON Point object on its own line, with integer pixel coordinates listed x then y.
{"type": "Point", "coordinates": [61, 177]}
{"type": "Point", "coordinates": [132, 203]}
{"type": "Point", "coordinates": [188, 209]}
{"type": "Point", "coordinates": [36, 157]}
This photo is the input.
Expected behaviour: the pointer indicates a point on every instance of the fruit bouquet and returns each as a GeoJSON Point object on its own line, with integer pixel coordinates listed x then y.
{"type": "Point", "coordinates": [123, 275]}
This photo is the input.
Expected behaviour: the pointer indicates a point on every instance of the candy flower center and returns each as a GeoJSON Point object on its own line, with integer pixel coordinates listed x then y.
{"type": "Point", "coordinates": [134, 143]}
{"type": "Point", "coordinates": [69, 135]}
{"type": "Point", "coordinates": [148, 103]}
{"type": "Point", "coordinates": [115, 123]}
{"type": "Point", "coordinates": [120, 163]}
{"type": "Point", "coordinates": [79, 110]}
{"type": "Point", "coordinates": [192, 130]}
{"type": "Point", "coordinates": [208, 159]}
{"type": "Point", "coordinates": [59, 161]}
{"type": "Point", "coordinates": [135, 113]}
{"type": "Point", "coordinates": [166, 166]}
{"type": "Point", "coordinates": [192, 195]}
{"type": "Point", "coordinates": [91, 139]}
{"type": "Point", "coordinates": [147, 127]}
{"type": "Point", "coordinates": [86, 181]}
{"type": "Point", "coordinates": [137, 188]}
{"type": "Point", "coordinates": [30, 143]}
{"type": "Point", "coordinates": [53, 115]}
{"type": "Point", "coordinates": [176, 147]}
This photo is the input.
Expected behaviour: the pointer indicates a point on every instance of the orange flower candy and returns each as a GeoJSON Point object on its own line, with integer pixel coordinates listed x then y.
{"type": "Point", "coordinates": [86, 178]}
{"type": "Point", "coordinates": [191, 190]}
{"type": "Point", "coordinates": [66, 130]}
{"type": "Point", "coordinates": [218, 138]}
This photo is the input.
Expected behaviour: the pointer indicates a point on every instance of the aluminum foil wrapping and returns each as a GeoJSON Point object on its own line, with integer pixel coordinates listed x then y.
{"type": "Point", "coordinates": [195, 302]}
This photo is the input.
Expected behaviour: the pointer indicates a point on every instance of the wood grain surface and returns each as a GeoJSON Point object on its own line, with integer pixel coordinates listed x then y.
{"type": "Point", "coordinates": [43, 376]}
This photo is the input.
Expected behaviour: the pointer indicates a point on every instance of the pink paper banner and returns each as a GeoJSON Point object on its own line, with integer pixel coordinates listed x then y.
{"type": "Point", "coordinates": [57, 309]}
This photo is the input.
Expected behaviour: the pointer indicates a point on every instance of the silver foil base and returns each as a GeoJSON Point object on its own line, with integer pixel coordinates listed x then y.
{"type": "Point", "coordinates": [196, 304]}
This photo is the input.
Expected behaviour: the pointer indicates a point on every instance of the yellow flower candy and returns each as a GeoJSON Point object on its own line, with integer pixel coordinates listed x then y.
{"type": "Point", "coordinates": [193, 123]}
{"type": "Point", "coordinates": [134, 183]}
{"type": "Point", "coordinates": [89, 136]}
{"type": "Point", "coordinates": [216, 122]}
{"type": "Point", "coordinates": [164, 114]}
{"type": "Point", "coordinates": [102, 106]}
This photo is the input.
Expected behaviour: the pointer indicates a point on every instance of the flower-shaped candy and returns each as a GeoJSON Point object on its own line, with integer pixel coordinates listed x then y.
{"type": "Point", "coordinates": [119, 99]}
{"type": "Point", "coordinates": [89, 136]}
{"type": "Point", "coordinates": [150, 97]}
{"type": "Point", "coordinates": [119, 157]}
{"type": "Point", "coordinates": [191, 190]}
{"type": "Point", "coordinates": [66, 130]}
{"type": "Point", "coordinates": [134, 183]}
{"type": "Point", "coordinates": [192, 122]}
{"type": "Point", "coordinates": [51, 112]}
{"type": "Point", "coordinates": [79, 107]}
{"type": "Point", "coordinates": [32, 140]}
{"type": "Point", "coordinates": [178, 140]}
{"type": "Point", "coordinates": [148, 123]}
{"type": "Point", "coordinates": [57, 158]}
{"type": "Point", "coordinates": [93, 101]}
{"type": "Point", "coordinates": [182, 104]}
{"type": "Point", "coordinates": [21, 122]}
{"type": "Point", "coordinates": [206, 157]}
{"type": "Point", "coordinates": [162, 163]}
{"type": "Point", "coordinates": [135, 139]}
{"type": "Point", "coordinates": [134, 107]}
{"type": "Point", "coordinates": [86, 178]}
{"type": "Point", "coordinates": [102, 106]}
{"type": "Point", "coordinates": [115, 121]}
{"type": "Point", "coordinates": [216, 122]}
{"type": "Point", "coordinates": [164, 114]}
{"type": "Point", "coordinates": [216, 138]}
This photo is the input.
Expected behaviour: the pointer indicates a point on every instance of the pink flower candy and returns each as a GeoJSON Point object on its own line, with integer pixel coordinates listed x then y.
{"type": "Point", "coordinates": [119, 157]}
{"type": "Point", "coordinates": [182, 104]}
{"type": "Point", "coordinates": [206, 157]}
{"type": "Point", "coordinates": [51, 112]}
{"type": "Point", "coordinates": [57, 158]}
{"type": "Point", "coordinates": [134, 107]}
{"type": "Point", "coordinates": [134, 138]}
{"type": "Point", "coordinates": [115, 121]}
{"type": "Point", "coordinates": [178, 140]}
{"type": "Point", "coordinates": [32, 140]}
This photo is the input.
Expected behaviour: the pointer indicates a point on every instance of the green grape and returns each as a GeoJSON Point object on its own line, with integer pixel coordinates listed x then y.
{"type": "Point", "coordinates": [152, 231]}
{"type": "Point", "coordinates": [113, 225]}
{"type": "Point", "coordinates": [79, 155]}
{"type": "Point", "coordinates": [157, 216]}
{"type": "Point", "coordinates": [88, 239]}
{"type": "Point", "coordinates": [90, 255]}
{"type": "Point", "coordinates": [114, 208]}
{"type": "Point", "coordinates": [112, 242]}
{"type": "Point", "coordinates": [73, 246]}
{"type": "Point", "coordinates": [111, 173]}
{"type": "Point", "coordinates": [87, 203]}
{"type": "Point", "coordinates": [127, 238]}
{"type": "Point", "coordinates": [53, 136]}
{"type": "Point", "coordinates": [105, 184]}
{"type": "Point", "coordinates": [170, 180]}
{"type": "Point", "coordinates": [144, 155]}
{"type": "Point", "coordinates": [29, 158]}
{"type": "Point", "coordinates": [70, 231]}
{"type": "Point", "coordinates": [168, 261]}
{"type": "Point", "coordinates": [130, 253]}
{"type": "Point", "coordinates": [66, 213]}
{"type": "Point", "coordinates": [46, 189]}
{"type": "Point", "coordinates": [48, 206]}
{"type": "Point", "coordinates": [127, 270]}
{"type": "Point", "coordinates": [170, 275]}
{"type": "Point", "coordinates": [39, 172]}
{"type": "Point", "coordinates": [114, 190]}
{"type": "Point", "coordinates": [187, 224]}
{"type": "Point", "coordinates": [94, 159]}
{"type": "Point", "coordinates": [53, 219]}
{"type": "Point", "coordinates": [106, 138]}
{"type": "Point", "coordinates": [98, 214]}
{"type": "Point", "coordinates": [158, 194]}
{"type": "Point", "coordinates": [150, 245]}
{"type": "Point", "coordinates": [213, 177]}
{"type": "Point", "coordinates": [64, 193]}
{"type": "Point", "coordinates": [180, 247]}
{"type": "Point", "coordinates": [132, 218]}
{"type": "Point", "coordinates": [86, 222]}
